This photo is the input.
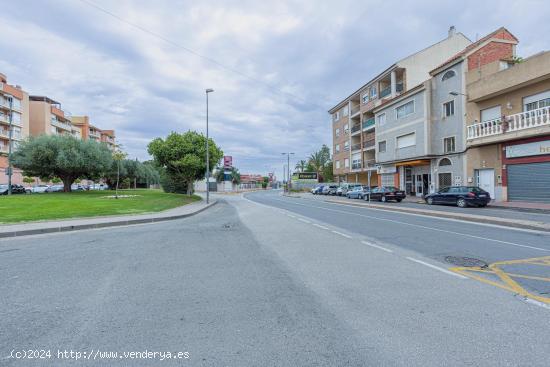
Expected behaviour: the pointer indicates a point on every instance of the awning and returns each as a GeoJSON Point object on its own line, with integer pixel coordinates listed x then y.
{"type": "Point", "coordinates": [418, 162]}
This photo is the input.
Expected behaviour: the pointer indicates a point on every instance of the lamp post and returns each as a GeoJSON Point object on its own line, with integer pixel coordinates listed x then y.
{"type": "Point", "coordinates": [10, 144]}
{"type": "Point", "coordinates": [288, 171]}
{"type": "Point", "coordinates": [209, 90]}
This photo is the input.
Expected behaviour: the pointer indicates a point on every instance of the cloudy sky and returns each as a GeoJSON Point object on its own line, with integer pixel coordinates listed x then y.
{"type": "Point", "coordinates": [276, 66]}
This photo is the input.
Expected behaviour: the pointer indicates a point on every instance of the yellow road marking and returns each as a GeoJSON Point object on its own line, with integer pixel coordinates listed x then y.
{"type": "Point", "coordinates": [506, 278]}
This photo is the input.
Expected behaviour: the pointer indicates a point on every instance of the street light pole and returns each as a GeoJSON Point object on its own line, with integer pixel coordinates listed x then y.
{"type": "Point", "coordinates": [209, 90]}
{"type": "Point", "coordinates": [288, 171]}
{"type": "Point", "coordinates": [10, 144]}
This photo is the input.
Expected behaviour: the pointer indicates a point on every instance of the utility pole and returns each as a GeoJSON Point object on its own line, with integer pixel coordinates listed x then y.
{"type": "Point", "coordinates": [10, 147]}
{"type": "Point", "coordinates": [288, 170]}
{"type": "Point", "coordinates": [209, 90]}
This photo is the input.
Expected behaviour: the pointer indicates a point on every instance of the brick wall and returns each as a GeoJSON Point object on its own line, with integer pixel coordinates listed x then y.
{"type": "Point", "coordinates": [491, 52]}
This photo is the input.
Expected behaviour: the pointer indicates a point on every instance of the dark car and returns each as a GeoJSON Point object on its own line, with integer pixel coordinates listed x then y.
{"type": "Point", "coordinates": [461, 196]}
{"type": "Point", "coordinates": [317, 190]}
{"type": "Point", "coordinates": [15, 189]}
{"type": "Point", "coordinates": [386, 193]}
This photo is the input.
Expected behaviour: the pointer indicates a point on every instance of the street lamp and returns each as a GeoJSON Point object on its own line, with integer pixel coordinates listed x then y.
{"type": "Point", "coordinates": [453, 93]}
{"type": "Point", "coordinates": [10, 144]}
{"type": "Point", "coordinates": [209, 90]}
{"type": "Point", "coordinates": [288, 171]}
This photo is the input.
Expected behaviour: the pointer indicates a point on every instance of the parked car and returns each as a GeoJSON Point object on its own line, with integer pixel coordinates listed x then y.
{"type": "Point", "coordinates": [345, 187]}
{"type": "Point", "coordinates": [317, 189]}
{"type": "Point", "coordinates": [461, 196]}
{"type": "Point", "coordinates": [39, 189]}
{"type": "Point", "coordinates": [77, 187]}
{"type": "Point", "coordinates": [329, 190]}
{"type": "Point", "coordinates": [54, 188]}
{"type": "Point", "coordinates": [15, 189]}
{"type": "Point", "coordinates": [99, 187]}
{"type": "Point", "coordinates": [357, 192]}
{"type": "Point", "coordinates": [386, 193]}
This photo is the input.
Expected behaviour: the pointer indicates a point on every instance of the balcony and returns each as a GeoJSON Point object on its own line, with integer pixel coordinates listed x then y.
{"type": "Point", "coordinates": [355, 128]}
{"type": "Point", "coordinates": [369, 144]}
{"type": "Point", "coordinates": [5, 119]}
{"type": "Point", "coordinates": [356, 147]}
{"type": "Point", "coordinates": [356, 165]}
{"type": "Point", "coordinates": [367, 124]}
{"type": "Point", "coordinates": [61, 124]}
{"type": "Point", "coordinates": [355, 111]}
{"type": "Point", "coordinates": [370, 164]}
{"type": "Point", "coordinates": [518, 122]}
{"type": "Point", "coordinates": [385, 92]}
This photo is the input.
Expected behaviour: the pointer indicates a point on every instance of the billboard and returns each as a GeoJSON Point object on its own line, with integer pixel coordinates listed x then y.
{"type": "Point", "coordinates": [227, 161]}
{"type": "Point", "coordinates": [305, 177]}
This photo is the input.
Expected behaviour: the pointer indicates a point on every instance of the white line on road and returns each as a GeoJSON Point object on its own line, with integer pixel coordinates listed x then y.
{"type": "Point", "coordinates": [437, 268]}
{"type": "Point", "coordinates": [537, 303]}
{"type": "Point", "coordinates": [303, 220]}
{"type": "Point", "coordinates": [342, 234]}
{"type": "Point", "coordinates": [320, 226]}
{"type": "Point", "coordinates": [376, 246]}
{"type": "Point", "coordinates": [291, 216]}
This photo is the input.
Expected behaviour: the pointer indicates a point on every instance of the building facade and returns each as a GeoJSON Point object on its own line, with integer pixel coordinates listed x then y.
{"type": "Point", "coordinates": [47, 117]}
{"type": "Point", "coordinates": [91, 132]}
{"type": "Point", "coordinates": [353, 119]}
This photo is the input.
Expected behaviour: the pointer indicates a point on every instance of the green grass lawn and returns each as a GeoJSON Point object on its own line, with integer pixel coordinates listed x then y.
{"type": "Point", "coordinates": [80, 204]}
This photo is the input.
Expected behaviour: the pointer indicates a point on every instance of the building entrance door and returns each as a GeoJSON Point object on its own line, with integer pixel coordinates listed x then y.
{"type": "Point", "coordinates": [486, 180]}
{"type": "Point", "coordinates": [426, 183]}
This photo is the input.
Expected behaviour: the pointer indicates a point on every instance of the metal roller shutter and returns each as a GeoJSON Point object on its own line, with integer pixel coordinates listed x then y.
{"type": "Point", "coordinates": [529, 182]}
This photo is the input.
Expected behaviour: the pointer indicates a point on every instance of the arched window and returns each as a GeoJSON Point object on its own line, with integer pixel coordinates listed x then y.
{"type": "Point", "coordinates": [448, 75]}
{"type": "Point", "coordinates": [445, 162]}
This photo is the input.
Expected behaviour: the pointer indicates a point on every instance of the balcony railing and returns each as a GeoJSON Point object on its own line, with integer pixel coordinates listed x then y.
{"type": "Point", "coordinates": [370, 163]}
{"type": "Point", "coordinates": [356, 146]}
{"type": "Point", "coordinates": [355, 110]}
{"type": "Point", "coordinates": [61, 124]}
{"type": "Point", "coordinates": [355, 128]}
{"type": "Point", "coordinates": [368, 123]}
{"type": "Point", "coordinates": [356, 165]}
{"type": "Point", "coordinates": [369, 144]}
{"type": "Point", "coordinates": [512, 123]}
{"type": "Point", "coordinates": [385, 92]}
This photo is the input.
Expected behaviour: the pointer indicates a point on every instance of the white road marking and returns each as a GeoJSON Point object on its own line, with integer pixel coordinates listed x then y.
{"type": "Point", "coordinates": [303, 220]}
{"type": "Point", "coordinates": [320, 226]}
{"type": "Point", "coordinates": [420, 226]}
{"type": "Point", "coordinates": [437, 268]}
{"type": "Point", "coordinates": [537, 303]}
{"type": "Point", "coordinates": [376, 246]}
{"type": "Point", "coordinates": [342, 234]}
{"type": "Point", "coordinates": [291, 216]}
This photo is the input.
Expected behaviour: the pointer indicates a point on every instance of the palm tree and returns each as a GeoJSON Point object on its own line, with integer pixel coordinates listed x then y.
{"type": "Point", "coordinates": [319, 160]}
{"type": "Point", "coordinates": [301, 166]}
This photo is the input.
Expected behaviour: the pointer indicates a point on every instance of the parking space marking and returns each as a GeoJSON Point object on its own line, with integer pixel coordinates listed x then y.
{"type": "Point", "coordinates": [437, 268]}
{"type": "Point", "coordinates": [342, 234]}
{"type": "Point", "coordinates": [320, 226]}
{"type": "Point", "coordinates": [508, 280]}
{"type": "Point", "coordinates": [376, 246]}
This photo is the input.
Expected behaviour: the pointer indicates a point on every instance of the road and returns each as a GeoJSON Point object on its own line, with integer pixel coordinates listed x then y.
{"type": "Point", "coordinates": [272, 281]}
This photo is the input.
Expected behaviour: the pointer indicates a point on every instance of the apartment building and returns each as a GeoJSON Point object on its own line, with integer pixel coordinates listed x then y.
{"type": "Point", "coordinates": [89, 131]}
{"type": "Point", "coordinates": [14, 103]}
{"type": "Point", "coordinates": [353, 119]}
{"type": "Point", "coordinates": [421, 137]}
{"type": "Point", "coordinates": [47, 117]}
{"type": "Point", "coordinates": [508, 127]}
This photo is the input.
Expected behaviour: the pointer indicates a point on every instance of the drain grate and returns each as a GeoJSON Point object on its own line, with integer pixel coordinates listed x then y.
{"type": "Point", "coordinates": [469, 262]}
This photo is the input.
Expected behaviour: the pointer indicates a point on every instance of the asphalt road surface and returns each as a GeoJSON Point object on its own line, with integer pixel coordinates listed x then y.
{"type": "Point", "coordinates": [273, 281]}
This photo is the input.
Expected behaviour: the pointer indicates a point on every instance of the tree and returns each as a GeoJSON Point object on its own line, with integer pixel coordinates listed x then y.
{"type": "Point", "coordinates": [182, 158]}
{"type": "Point", "coordinates": [235, 175]}
{"type": "Point", "coordinates": [319, 160]}
{"type": "Point", "coordinates": [301, 166]}
{"type": "Point", "coordinates": [118, 156]}
{"type": "Point", "coordinates": [28, 180]}
{"type": "Point", "coordinates": [63, 156]}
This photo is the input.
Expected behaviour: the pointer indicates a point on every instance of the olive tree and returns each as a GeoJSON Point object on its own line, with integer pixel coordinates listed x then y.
{"type": "Point", "coordinates": [63, 156]}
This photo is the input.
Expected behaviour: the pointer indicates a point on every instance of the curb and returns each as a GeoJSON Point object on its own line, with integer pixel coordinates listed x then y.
{"type": "Point", "coordinates": [119, 223]}
{"type": "Point", "coordinates": [469, 218]}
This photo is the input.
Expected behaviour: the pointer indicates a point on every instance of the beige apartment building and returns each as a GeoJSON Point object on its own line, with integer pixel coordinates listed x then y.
{"type": "Point", "coordinates": [47, 117]}
{"type": "Point", "coordinates": [14, 101]}
{"type": "Point", "coordinates": [353, 123]}
{"type": "Point", "coordinates": [89, 131]}
{"type": "Point", "coordinates": [508, 131]}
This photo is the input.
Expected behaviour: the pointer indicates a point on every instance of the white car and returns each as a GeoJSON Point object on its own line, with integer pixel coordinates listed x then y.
{"type": "Point", "coordinates": [39, 189]}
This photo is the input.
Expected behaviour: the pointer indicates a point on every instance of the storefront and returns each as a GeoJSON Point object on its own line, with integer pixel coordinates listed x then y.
{"type": "Point", "coordinates": [415, 177]}
{"type": "Point", "coordinates": [526, 170]}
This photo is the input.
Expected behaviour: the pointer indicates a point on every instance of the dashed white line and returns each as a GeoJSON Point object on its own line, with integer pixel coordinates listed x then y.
{"type": "Point", "coordinates": [320, 226]}
{"type": "Point", "coordinates": [376, 246]}
{"type": "Point", "coordinates": [303, 220]}
{"type": "Point", "coordinates": [437, 268]}
{"type": "Point", "coordinates": [342, 234]}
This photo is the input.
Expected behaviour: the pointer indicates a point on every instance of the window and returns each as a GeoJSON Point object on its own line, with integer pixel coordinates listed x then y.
{"type": "Point", "coordinates": [405, 141]}
{"type": "Point", "coordinates": [366, 97]}
{"type": "Point", "coordinates": [346, 128]}
{"type": "Point", "coordinates": [346, 162]}
{"type": "Point", "coordinates": [492, 113]}
{"type": "Point", "coordinates": [372, 92]}
{"type": "Point", "coordinates": [449, 145]}
{"type": "Point", "coordinates": [337, 148]}
{"type": "Point", "coordinates": [449, 108]}
{"type": "Point", "coordinates": [445, 162]}
{"type": "Point", "coordinates": [445, 180]}
{"type": "Point", "coordinates": [381, 119]}
{"type": "Point", "coordinates": [537, 101]}
{"type": "Point", "coordinates": [337, 132]}
{"type": "Point", "coordinates": [448, 75]}
{"type": "Point", "coordinates": [336, 116]}
{"type": "Point", "coordinates": [337, 164]}
{"type": "Point", "coordinates": [346, 145]}
{"type": "Point", "coordinates": [382, 147]}
{"type": "Point", "coordinates": [404, 110]}
{"type": "Point", "coordinates": [346, 111]}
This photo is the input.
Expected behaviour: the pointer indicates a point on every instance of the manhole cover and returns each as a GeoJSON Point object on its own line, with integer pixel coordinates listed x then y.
{"type": "Point", "coordinates": [469, 262]}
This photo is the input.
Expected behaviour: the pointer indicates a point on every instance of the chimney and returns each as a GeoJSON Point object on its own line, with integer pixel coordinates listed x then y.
{"type": "Point", "coordinates": [452, 31]}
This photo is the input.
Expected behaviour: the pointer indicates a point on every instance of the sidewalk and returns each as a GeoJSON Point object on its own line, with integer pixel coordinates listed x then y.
{"type": "Point", "coordinates": [32, 228]}
{"type": "Point", "coordinates": [522, 205]}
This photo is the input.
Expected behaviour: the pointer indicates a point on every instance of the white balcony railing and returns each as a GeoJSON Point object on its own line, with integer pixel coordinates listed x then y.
{"type": "Point", "coordinates": [485, 128]}
{"type": "Point", "coordinates": [529, 119]}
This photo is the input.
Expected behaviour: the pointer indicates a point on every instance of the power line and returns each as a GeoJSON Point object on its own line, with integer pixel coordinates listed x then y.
{"type": "Point", "coordinates": [197, 54]}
